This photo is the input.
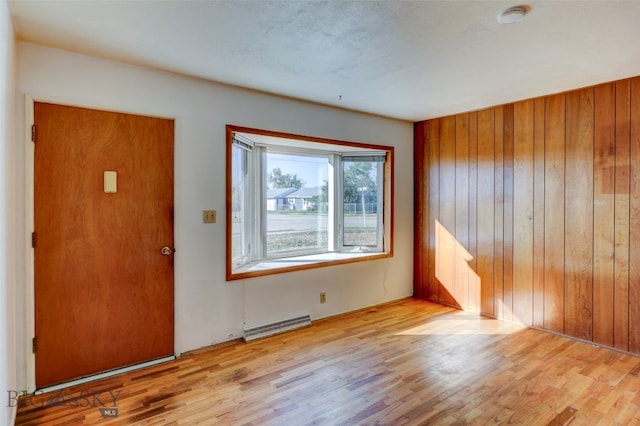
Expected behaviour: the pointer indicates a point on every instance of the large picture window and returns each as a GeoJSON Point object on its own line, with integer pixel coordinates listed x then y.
{"type": "Point", "coordinates": [296, 202]}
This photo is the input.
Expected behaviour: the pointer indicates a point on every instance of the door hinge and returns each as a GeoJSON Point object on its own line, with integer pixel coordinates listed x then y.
{"type": "Point", "coordinates": [33, 133]}
{"type": "Point", "coordinates": [34, 344]}
{"type": "Point", "coordinates": [34, 239]}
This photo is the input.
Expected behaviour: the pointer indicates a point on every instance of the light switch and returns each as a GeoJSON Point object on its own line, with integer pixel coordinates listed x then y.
{"type": "Point", "coordinates": [209, 216]}
{"type": "Point", "coordinates": [110, 182]}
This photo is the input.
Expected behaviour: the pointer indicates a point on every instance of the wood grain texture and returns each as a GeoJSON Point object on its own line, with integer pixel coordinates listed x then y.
{"type": "Point", "coordinates": [578, 253]}
{"type": "Point", "coordinates": [461, 234]}
{"type": "Point", "coordinates": [634, 219]}
{"type": "Point", "coordinates": [538, 213]}
{"type": "Point", "coordinates": [554, 211]}
{"type": "Point", "coordinates": [421, 217]}
{"type": "Point", "coordinates": [621, 224]}
{"type": "Point", "coordinates": [557, 185]}
{"type": "Point", "coordinates": [485, 220]}
{"type": "Point", "coordinates": [603, 213]}
{"type": "Point", "coordinates": [408, 363]}
{"type": "Point", "coordinates": [507, 273]}
{"type": "Point", "coordinates": [103, 290]}
{"type": "Point", "coordinates": [434, 204]}
{"type": "Point", "coordinates": [472, 265]}
{"type": "Point", "coordinates": [498, 211]}
{"type": "Point", "coordinates": [523, 212]}
{"type": "Point", "coordinates": [445, 258]}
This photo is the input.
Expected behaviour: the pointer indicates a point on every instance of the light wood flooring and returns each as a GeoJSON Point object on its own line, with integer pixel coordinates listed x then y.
{"type": "Point", "coordinates": [408, 363]}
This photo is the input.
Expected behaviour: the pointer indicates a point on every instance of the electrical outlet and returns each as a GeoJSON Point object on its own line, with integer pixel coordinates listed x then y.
{"type": "Point", "coordinates": [209, 216]}
{"type": "Point", "coordinates": [323, 297]}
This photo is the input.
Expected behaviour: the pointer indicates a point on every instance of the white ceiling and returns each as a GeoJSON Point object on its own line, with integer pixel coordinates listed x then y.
{"type": "Point", "coordinates": [404, 59]}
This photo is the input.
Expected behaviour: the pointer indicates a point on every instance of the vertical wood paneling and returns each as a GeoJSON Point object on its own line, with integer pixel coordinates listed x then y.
{"type": "Point", "coordinates": [554, 213]}
{"type": "Point", "coordinates": [634, 220]}
{"type": "Point", "coordinates": [523, 212]}
{"type": "Point", "coordinates": [579, 214]}
{"type": "Point", "coordinates": [578, 319]}
{"type": "Point", "coordinates": [420, 218]}
{"type": "Point", "coordinates": [485, 222]}
{"type": "Point", "coordinates": [445, 267]}
{"type": "Point", "coordinates": [474, 279]}
{"type": "Point", "coordinates": [462, 210]}
{"type": "Point", "coordinates": [434, 203]}
{"type": "Point", "coordinates": [508, 213]}
{"type": "Point", "coordinates": [538, 214]}
{"type": "Point", "coordinates": [603, 213]}
{"type": "Point", "coordinates": [498, 210]}
{"type": "Point", "coordinates": [539, 206]}
{"type": "Point", "coordinates": [621, 225]}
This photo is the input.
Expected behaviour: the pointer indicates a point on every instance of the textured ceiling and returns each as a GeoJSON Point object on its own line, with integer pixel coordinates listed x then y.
{"type": "Point", "coordinates": [404, 59]}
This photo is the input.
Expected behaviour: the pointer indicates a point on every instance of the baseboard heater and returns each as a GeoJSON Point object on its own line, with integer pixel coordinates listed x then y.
{"type": "Point", "coordinates": [257, 332]}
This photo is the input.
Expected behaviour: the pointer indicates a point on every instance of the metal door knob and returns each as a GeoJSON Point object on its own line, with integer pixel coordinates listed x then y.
{"type": "Point", "coordinates": [166, 251]}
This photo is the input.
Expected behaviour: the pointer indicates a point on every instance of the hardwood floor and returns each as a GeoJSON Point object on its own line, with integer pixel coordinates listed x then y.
{"type": "Point", "coordinates": [412, 362]}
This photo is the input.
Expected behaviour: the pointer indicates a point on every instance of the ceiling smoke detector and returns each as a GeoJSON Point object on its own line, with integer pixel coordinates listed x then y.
{"type": "Point", "coordinates": [513, 14]}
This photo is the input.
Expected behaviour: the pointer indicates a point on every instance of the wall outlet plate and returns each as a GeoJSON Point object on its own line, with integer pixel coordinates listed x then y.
{"type": "Point", "coordinates": [208, 216]}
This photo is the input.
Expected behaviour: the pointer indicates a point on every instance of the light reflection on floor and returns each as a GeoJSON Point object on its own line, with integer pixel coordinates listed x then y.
{"type": "Point", "coordinates": [462, 323]}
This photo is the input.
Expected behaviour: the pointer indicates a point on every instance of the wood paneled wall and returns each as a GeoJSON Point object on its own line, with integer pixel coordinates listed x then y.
{"type": "Point", "coordinates": [531, 212]}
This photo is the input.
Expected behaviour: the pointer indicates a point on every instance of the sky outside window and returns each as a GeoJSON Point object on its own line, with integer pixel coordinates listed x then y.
{"type": "Point", "coordinates": [310, 169]}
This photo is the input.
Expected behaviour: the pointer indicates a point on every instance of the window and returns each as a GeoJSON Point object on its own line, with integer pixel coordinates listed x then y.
{"type": "Point", "coordinates": [296, 202]}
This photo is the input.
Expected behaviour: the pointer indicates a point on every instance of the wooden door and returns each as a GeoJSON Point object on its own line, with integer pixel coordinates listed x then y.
{"type": "Point", "coordinates": [103, 288]}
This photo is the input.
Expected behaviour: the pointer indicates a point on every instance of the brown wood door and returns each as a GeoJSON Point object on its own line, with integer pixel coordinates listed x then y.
{"type": "Point", "coordinates": [103, 289]}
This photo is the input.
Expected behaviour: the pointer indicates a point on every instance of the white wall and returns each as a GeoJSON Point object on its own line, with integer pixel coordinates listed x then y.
{"type": "Point", "coordinates": [7, 215]}
{"type": "Point", "coordinates": [208, 309]}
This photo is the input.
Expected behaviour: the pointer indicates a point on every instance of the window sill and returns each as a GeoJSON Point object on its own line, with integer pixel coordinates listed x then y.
{"type": "Point", "coordinates": [297, 263]}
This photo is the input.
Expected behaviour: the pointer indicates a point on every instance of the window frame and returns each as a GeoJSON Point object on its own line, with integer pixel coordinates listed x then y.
{"type": "Point", "coordinates": [315, 260]}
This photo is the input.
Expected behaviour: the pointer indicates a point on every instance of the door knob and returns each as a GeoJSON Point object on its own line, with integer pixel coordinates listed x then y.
{"type": "Point", "coordinates": [166, 251]}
